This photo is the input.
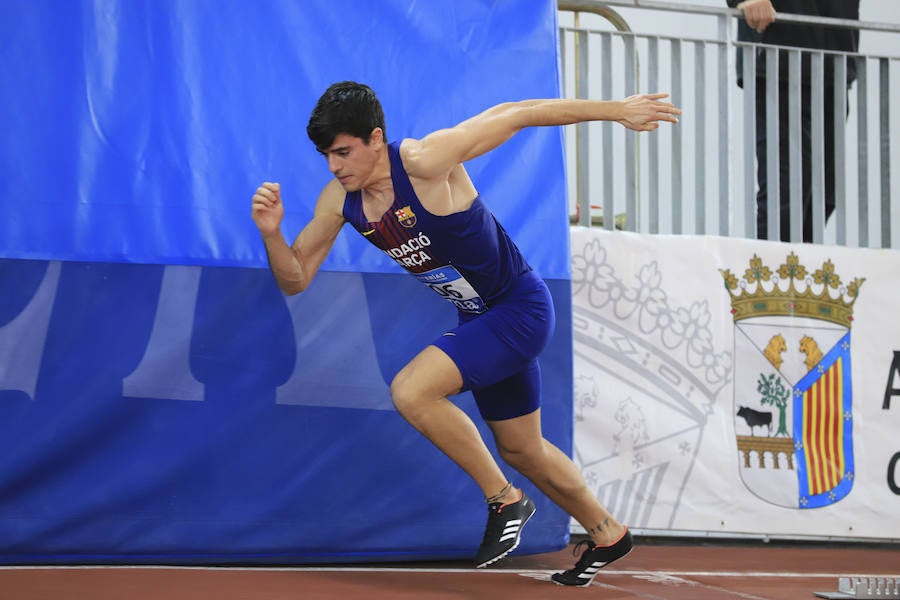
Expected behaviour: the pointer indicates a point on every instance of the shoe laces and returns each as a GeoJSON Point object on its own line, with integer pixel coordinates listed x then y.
{"type": "Point", "coordinates": [584, 559]}
{"type": "Point", "coordinates": [494, 524]}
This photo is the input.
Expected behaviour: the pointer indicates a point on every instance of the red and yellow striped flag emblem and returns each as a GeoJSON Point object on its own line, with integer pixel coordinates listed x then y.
{"type": "Point", "coordinates": [823, 430]}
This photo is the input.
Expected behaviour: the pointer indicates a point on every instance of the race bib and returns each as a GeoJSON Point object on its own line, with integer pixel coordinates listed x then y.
{"type": "Point", "coordinates": [452, 286]}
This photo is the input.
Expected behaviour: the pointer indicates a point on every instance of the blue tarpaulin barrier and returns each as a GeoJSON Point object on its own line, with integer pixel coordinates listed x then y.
{"type": "Point", "coordinates": [160, 399]}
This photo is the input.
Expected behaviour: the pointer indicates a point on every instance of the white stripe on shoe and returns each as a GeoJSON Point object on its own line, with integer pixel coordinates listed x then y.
{"type": "Point", "coordinates": [592, 570]}
{"type": "Point", "coordinates": [511, 529]}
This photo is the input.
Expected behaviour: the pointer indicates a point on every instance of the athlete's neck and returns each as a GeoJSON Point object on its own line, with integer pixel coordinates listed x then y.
{"type": "Point", "coordinates": [378, 196]}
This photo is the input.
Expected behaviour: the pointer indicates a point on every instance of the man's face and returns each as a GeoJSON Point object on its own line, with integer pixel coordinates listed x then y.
{"type": "Point", "coordinates": [352, 161]}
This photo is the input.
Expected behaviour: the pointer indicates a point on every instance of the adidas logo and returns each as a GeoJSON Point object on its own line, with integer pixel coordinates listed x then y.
{"type": "Point", "coordinates": [592, 570]}
{"type": "Point", "coordinates": [511, 529]}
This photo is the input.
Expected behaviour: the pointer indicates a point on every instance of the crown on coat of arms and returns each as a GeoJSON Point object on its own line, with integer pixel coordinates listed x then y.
{"type": "Point", "coordinates": [791, 291]}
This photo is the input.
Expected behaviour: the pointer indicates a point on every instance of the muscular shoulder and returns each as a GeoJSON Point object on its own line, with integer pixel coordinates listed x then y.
{"type": "Point", "coordinates": [411, 155]}
{"type": "Point", "coordinates": [431, 158]}
{"type": "Point", "coordinates": [441, 191]}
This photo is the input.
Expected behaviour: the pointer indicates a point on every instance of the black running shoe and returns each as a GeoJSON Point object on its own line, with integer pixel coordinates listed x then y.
{"type": "Point", "coordinates": [593, 559]}
{"type": "Point", "coordinates": [504, 526]}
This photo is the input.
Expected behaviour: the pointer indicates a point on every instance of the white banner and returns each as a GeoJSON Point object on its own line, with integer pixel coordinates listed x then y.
{"type": "Point", "coordinates": [733, 386]}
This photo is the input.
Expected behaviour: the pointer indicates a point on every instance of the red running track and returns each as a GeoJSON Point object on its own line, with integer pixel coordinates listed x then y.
{"type": "Point", "coordinates": [655, 569]}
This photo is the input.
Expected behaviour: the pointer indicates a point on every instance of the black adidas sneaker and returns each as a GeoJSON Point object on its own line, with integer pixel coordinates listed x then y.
{"type": "Point", "coordinates": [593, 559]}
{"type": "Point", "coordinates": [504, 527]}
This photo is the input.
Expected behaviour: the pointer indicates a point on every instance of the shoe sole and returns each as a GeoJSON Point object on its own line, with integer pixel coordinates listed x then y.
{"type": "Point", "coordinates": [588, 582]}
{"type": "Point", "coordinates": [515, 545]}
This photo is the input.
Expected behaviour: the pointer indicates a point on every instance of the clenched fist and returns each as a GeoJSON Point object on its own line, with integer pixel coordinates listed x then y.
{"type": "Point", "coordinates": [267, 209]}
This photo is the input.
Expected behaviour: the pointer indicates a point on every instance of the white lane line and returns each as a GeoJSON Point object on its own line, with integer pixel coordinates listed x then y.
{"type": "Point", "coordinates": [352, 569]}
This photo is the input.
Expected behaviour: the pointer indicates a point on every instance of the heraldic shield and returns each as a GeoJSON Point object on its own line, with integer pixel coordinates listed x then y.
{"type": "Point", "coordinates": [792, 382]}
{"type": "Point", "coordinates": [647, 375]}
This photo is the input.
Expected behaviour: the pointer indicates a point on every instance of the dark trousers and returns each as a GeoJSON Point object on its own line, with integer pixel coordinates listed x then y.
{"type": "Point", "coordinates": [784, 171]}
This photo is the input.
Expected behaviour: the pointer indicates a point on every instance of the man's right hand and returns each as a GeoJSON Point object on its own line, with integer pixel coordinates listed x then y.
{"type": "Point", "coordinates": [758, 13]}
{"type": "Point", "coordinates": [267, 209]}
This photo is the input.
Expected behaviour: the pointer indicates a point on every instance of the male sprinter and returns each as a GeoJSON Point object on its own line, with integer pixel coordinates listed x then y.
{"type": "Point", "coordinates": [413, 199]}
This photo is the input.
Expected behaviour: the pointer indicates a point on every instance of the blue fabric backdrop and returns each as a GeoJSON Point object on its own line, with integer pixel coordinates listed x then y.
{"type": "Point", "coordinates": [160, 399]}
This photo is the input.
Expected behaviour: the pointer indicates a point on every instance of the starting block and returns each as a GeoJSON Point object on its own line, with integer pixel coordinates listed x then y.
{"type": "Point", "coordinates": [864, 587]}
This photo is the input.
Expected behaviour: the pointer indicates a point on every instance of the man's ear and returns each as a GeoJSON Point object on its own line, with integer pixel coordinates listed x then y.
{"type": "Point", "coordinates": [376, 137]}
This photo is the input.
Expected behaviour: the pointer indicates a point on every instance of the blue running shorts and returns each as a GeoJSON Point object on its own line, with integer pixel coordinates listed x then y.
{"type": "Point", "coordinates": [497, 351]}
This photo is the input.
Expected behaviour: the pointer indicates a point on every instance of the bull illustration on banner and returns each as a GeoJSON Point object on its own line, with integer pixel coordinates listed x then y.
{"type": "Point", "coordinates": [792, 381]}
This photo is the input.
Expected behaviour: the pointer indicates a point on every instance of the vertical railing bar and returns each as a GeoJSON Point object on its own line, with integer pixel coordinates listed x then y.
{"type": "Point", "coordinates": [773, 183]}
{"type": "Point", "coordinates": [677, 163]}
{"type": "Point", "coordinates": [817, 145]}
{"type": "Point", "coordinates": [609, 218]}
{"type": "Point", "coordinates": [724, 119]}
{"type": "Point", "coordinates": [563, 61]}
{"type": "Point", "coordinates": [582, 132]}
{"type": "Point", "coordinates": [795, 161]}
{"type": "Point", "coordinates": [840, 150]}
{"type": "Point", "coordinates": [749, 112]}
{"type": "Point", "coordinates": [653, 141]}
{"type": "Point", "coordinates": [631, 168]}
{"type": "Point", "coordinates": [700, 158]}
{"type": "Point", "coordinates": [862, 133]}
{"type": "Point", "coordinates": [564, 92]}
{"type": "Point", "coordinates": [885, 147]}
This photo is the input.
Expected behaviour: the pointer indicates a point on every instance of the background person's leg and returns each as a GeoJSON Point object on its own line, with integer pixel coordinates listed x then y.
{"type": "Point", "coordinates": [762, 223]}
{"type": "Point", "coordinates": [785, 174]}
{"type": "Point", "coordinates": [828, 113]}
{"type": "Point", "coordinates": [806, 118]}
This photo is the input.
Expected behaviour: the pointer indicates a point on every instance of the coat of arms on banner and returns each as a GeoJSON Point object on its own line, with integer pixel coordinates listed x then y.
{"type": "Point", "coordinates": [648, 371]}
{"type": "Point", "coordinates": [792, 381]}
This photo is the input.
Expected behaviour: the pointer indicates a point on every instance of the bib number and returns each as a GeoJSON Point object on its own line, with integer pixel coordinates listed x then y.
{"type": "Point", "coordinates": [450, 285]}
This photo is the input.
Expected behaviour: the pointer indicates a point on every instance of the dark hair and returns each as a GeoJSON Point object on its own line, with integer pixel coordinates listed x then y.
{"type": "Point", "coordinates": [345, 107]}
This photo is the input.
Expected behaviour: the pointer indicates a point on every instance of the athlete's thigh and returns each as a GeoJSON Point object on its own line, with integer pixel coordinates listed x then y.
{"type": "Point", "coordinates": [481, 356]}
{"type": "Point", "coordinates": [511, 397]}
{"type": "Point", "coordinates": [431, 373]}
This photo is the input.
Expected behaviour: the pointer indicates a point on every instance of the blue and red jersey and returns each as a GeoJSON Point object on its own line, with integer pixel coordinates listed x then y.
{"type": "Point", "coordinates": [466, 257]}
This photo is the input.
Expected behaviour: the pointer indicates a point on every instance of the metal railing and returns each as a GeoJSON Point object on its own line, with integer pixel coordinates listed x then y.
{"type": "Point", "coordinates": [699, 177]}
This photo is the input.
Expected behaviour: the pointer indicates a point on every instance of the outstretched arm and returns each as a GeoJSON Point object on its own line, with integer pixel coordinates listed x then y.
{"type": "Point", "coordinates": [294, 266]}
{"type": "Point", "coordinates": [437, 153]}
